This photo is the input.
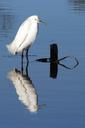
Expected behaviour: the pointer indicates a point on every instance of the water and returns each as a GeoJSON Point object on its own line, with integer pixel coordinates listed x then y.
{"type": "Point", "coordinates": [60, 101]}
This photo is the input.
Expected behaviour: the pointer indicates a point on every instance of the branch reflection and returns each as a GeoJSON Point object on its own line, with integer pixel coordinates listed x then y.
{"type": "Point", "coordinates": [54, 61]}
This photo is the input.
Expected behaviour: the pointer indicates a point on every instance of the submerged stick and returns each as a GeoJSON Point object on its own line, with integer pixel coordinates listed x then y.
{"type": "Point", "coordinates": [53, 60]}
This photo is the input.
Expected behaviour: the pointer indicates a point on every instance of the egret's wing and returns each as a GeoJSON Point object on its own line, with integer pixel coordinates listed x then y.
{"type": "Point", "coordinates": [22, 33]}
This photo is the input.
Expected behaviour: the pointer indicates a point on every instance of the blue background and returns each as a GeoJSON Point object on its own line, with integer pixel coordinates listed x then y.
{"type": "Point", "coordinates": [64, 96]}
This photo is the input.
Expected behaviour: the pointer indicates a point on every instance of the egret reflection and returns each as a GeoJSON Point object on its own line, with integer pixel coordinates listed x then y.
{"type": "Point", "coordinates": [25, 89]}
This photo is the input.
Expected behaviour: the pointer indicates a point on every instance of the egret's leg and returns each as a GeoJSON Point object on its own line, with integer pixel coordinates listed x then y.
{"type": "Point", "coordinates": [22, 56]}
{"type": "Point", "coordinates": [27, 55]}
{"type": "Point", "coordinates": [27, 68]}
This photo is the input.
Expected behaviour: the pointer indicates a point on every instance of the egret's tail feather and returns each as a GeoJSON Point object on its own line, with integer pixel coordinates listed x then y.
{"type": "Point", "coordinates": [11, 49]}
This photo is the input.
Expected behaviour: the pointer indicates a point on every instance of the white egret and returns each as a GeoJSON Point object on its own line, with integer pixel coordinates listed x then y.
{"type": "Point", "coordinates": [25, 36]}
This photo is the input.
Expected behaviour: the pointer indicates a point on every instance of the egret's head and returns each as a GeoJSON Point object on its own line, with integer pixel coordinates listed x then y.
{"type": "Point", "coordinates": [36, 19]}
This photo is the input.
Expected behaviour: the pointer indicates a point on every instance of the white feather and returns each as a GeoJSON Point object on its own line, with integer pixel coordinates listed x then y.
{"type": "Point", "coordinates": [25, 36]}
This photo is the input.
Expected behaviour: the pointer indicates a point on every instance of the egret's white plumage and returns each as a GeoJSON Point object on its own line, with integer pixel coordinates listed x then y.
{"type": "Point", "coordinates": [25, 36]}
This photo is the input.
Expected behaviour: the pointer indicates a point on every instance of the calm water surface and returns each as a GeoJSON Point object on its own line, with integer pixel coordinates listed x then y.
{"type": "Point", "coordinates": [58, 102]}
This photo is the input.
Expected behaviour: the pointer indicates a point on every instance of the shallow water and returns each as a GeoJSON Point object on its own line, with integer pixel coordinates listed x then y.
{"type": "Point", "coordinates": [59, 102]}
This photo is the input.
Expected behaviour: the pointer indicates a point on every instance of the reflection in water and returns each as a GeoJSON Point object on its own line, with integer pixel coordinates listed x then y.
{"type": "Point", "coordinates": [54, 61]}
{"type": "Point", "coordinates": [5, 20]}
{"type": "Point", "coordinates": [23, 84]}
{"type": "Point", "coordinates": [53, 70]}
{"type": "Point", "coordinates": [24, 89]}
{"type": "Point", "coordinates": [78, 5]}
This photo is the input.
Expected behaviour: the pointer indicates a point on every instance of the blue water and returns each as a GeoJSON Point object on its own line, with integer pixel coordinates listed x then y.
{"type": "Point", "coordinates": [62, 100]}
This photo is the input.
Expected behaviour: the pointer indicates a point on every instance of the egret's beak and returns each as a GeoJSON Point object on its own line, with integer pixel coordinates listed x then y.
{"type": "Point", "coordinates": [40, 21]}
